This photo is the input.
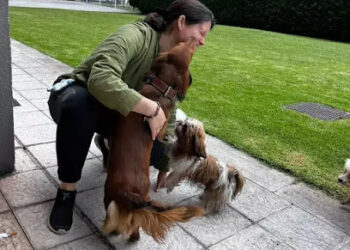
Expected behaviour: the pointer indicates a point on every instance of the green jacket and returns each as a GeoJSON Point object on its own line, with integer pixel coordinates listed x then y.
{"type": "Point", "coordinates": [115, 71]}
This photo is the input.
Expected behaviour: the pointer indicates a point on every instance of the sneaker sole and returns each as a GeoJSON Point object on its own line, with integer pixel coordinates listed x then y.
{"type": "Point", "coordinates": [59, 231]}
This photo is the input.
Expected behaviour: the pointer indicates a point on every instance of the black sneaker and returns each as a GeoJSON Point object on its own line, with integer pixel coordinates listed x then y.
{"type": "Point", "coordinates": [102, 145]}
{"type": "Point", "coordinates": [61, 217]}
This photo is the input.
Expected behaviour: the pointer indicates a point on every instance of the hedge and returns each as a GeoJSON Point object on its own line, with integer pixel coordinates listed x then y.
{"type": "Point", "coordinates": [329, 19]}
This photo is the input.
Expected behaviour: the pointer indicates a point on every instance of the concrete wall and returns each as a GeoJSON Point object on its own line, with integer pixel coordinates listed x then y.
{"type": "Point", "coordinates": [7, 151]}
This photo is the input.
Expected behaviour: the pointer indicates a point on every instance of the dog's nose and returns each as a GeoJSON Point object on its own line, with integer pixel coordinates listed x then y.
{"type": "Point", "coordinates": [340, 180]}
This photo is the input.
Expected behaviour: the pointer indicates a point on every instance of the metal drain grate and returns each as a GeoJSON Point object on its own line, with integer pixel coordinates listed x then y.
{"type": "Point", "coordinates": [15, 103]}
{"type": "Point", "coordinates": [319, 111]}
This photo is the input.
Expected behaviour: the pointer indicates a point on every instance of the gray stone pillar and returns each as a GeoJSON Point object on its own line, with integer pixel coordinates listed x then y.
{"type": "Point", "coordinates": [7, 147]}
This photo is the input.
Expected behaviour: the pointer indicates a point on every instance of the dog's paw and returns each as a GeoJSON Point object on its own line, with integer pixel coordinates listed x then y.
{"type": "Point", "coordinates": [135, 236]}
{"type": "Point", "coordinates": [169, 189]}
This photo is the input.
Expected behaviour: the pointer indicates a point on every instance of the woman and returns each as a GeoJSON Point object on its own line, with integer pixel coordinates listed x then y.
{"type": "Point", "coordinates": [107, 82]}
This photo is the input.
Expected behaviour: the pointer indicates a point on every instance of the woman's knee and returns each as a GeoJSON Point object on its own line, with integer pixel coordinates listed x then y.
{"type": "Point", "coordinates": [73, 101]}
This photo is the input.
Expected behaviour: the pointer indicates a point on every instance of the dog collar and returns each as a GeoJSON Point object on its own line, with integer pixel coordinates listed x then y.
{"type": "Point", "coordinates": [161, 86]}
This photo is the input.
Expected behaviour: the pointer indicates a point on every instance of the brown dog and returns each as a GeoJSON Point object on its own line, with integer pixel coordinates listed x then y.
{"type": "Point", "coordinates": [127, 199]}
{"type": "Point", "coordinates": [188, 160]}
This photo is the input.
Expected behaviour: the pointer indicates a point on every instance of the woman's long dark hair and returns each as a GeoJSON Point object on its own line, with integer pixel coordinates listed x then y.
{"type": "Point", "coordinates": [194, 11]}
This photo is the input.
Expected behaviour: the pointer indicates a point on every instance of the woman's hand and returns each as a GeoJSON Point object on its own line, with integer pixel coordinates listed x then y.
{"type": "Point", "coordinates": [148, 107]}
{"type": "Point", "coordinates": [156, 123]}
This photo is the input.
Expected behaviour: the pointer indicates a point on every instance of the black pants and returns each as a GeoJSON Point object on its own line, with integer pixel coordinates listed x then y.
{"type": "Point", "coordinates": [78, 116]}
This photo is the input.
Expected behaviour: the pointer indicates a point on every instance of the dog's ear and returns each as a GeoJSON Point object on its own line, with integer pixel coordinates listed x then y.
{"type": "Point", "coordinates": [199, 146]}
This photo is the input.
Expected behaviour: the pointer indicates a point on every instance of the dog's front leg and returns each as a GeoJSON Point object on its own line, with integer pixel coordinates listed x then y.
{"type": "Point", "coordinates": [173, 180]}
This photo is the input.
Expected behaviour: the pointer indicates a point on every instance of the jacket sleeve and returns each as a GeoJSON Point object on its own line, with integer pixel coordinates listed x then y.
{"type": "Point", "coordinates": [105, 80]}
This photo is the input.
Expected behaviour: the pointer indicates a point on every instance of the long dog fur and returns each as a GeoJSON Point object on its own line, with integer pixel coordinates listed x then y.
{"type": "Point", "coordinates": [189, 160]}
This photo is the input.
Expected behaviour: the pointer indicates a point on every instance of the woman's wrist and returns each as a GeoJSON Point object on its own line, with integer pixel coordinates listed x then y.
{"type": "Point", "coordinates": [145, 107]}
{"type": "Point", "coordinates": [155, 113]}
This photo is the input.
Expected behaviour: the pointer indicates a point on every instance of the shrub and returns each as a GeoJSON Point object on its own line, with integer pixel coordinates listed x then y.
{"type": "Point", "coordinates": [328, 19]}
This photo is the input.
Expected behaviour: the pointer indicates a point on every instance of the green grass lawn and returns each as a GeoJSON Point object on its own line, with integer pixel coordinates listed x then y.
{"type": "Point", "coordinates": [242, 80]}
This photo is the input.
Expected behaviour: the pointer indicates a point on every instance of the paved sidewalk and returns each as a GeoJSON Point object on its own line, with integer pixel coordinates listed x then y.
{"type": "Point", "coordinates": [273, 211]}
{"type": "Point", "coordinates": [66, 5]}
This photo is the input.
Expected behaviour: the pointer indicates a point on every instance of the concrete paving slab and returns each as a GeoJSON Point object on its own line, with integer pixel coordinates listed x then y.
{"type": "Point", "coordinates": [13, 51]}
{"type": "Point", "coordinates": [18, 56]}
{"type": "Point", "coordinates": [23, 162]}
{"type": "Point", "coordinates": [30, 119]}
{"type": "Point", "coordinates": [28, 85]}
{"type": "Point", "coordinates": [17, 71]}
{"type": "Point", "coordinates": [346, 246]}
{"type": "Point", "coordinates": [47, 113]}
{"type": "Point", "coordinates": [176, 239]}
{"type": "Point", "coordinates": [37, 134]}
{"type": "Point", "coordinates": [41, 104]}
{"type": "Point", "coordinates": [46, 154]}
{"type": "Point", "coordinates": [35, 94]}
{"type": "Point", "coordinates": [93, 175]}
{"type": "Point", "coordinates": [214, 228]}
{"type": "Point", "coordinates": [94, 149]}
{"type": "Point", "coordinates": [25, 105]}
{"type": "Point", "coordinates": [252, 169]}
{"type": "Point", "coordinates": [87, 243]}
{"type": "Point", "coordinates": [17, 143]}
{"type": "Point", "coordinates": [22, 78]}
{"type": "Point", "coordinates": [27, 188]}
{"type": "Point", "coordinates": [317, 203]}
{"type": "Point", "coordinates": [17, 95]}
{"type": "Point", "coordinates": [25, 64]}
{"type": "Point", "coordinates": [3, 204]}
{"type": "Point", "coordinates": [91, 204]}
{"type": "Point", "coordinates": [59, 67]}
{"type": "Point", "coordinates": [35, 72]}
{"type": "Point", "coordinates": [8, 224]}
{"type": "Point", "coordinates": [302, 230]}
{"type": "Point", "coordinates": [49, 78]}
{"type": "Point", "coordinates": [256, 202]}
{"type": "Point", "coordinates": [253, 237]}
{"type": "Point", "coordinates": [22, 51]}
{"type": "Point", "coordinates": [34, 220]}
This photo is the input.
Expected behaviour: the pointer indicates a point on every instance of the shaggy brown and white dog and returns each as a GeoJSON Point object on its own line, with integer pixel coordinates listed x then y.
{"type": "Point", "coordinates": [344, 179]}
{"type": "Point", "coordinates": [188, 160]}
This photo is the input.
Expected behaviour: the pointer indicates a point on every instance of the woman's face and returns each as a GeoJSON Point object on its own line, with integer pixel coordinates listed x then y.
{"type": "Point", "coordinates": [197, 32]}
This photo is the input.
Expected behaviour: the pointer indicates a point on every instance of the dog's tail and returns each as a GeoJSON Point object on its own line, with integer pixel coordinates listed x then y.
{"type": "Point", "coordinates": [155, 219]}
{"type": "Point", "coordinates": [239, 179]}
